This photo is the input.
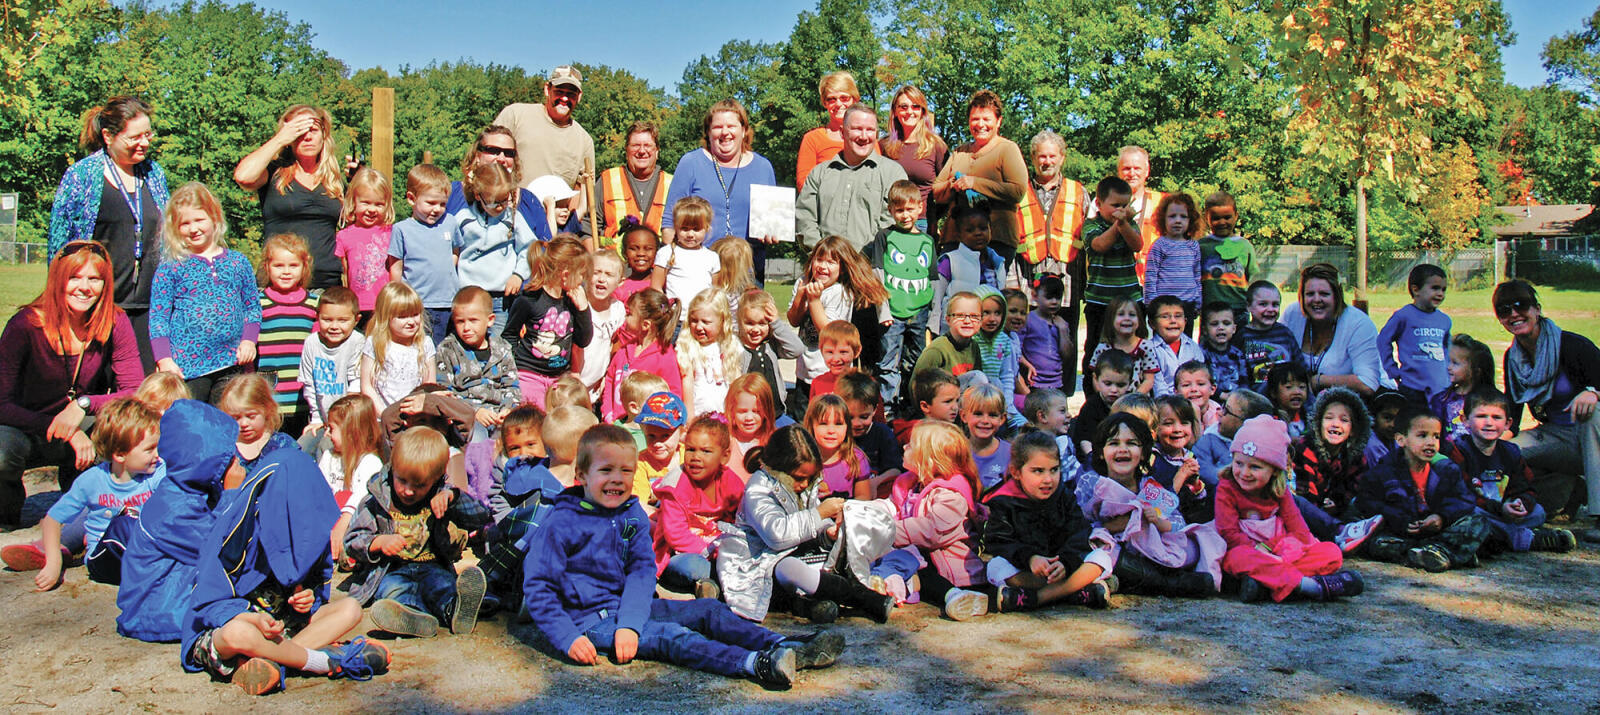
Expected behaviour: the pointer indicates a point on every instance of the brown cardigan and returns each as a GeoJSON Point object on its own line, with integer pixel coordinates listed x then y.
{"type": "Point", "coordinates": [998, 172]}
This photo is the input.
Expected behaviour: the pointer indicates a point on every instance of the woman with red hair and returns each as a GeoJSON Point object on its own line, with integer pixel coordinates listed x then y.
{"type": "Point", "coordinates": [61, 357]}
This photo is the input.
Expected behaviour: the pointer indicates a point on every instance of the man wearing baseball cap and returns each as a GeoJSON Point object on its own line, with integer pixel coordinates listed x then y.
{"type": "Point", "coordinates": [549, 140]}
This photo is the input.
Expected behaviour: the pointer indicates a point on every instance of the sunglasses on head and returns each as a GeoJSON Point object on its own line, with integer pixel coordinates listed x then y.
{"type": "Point", "coordinates": [497, 151]}
{"type": "Point", "coordinates": [77, 246]}
{"type": "Point", "coordinates": [1504, 309]}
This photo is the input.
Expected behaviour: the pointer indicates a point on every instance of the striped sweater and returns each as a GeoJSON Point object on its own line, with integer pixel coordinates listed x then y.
{"type": "Point", "coordinates": [286, 321]}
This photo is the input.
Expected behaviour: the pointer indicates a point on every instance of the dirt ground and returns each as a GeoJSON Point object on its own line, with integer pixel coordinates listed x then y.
{"type": "Point", "coordinates": [1519, 634]}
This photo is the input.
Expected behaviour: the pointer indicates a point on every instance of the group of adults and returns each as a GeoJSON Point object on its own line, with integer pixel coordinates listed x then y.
{"type": "Point", "coordinates": [85, 339]}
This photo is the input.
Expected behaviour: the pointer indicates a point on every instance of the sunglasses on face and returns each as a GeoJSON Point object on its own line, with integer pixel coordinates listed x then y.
{"type": "Point", "coordinates": [1502, 310]}
{"type": "Point", "coordinates": [497, 151]}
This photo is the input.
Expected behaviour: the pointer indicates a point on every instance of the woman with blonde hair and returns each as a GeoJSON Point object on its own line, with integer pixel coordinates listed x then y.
{"type": "Point", "coordinates": [838, 90]}
{"type": "Point", "coordinates": [300, 183]}
{"type": "Point", "coordinates": [912, 142]}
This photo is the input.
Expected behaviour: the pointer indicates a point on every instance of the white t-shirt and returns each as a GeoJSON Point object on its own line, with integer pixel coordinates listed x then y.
{"type": "Point", "coordinates": [333, 468]}
{"type": "Point", "coordinates": [597, 356]}
{"type": "Point", "coordinates": [837, 303]}
{"type": "Point", "coordinates": [329, 373]}
{"type": "Point", "coordinates": [709, 381]}
{"type": "Point", "coordinates": [400, 372]}
{"type": "Point", "coordinates": [690, 272]}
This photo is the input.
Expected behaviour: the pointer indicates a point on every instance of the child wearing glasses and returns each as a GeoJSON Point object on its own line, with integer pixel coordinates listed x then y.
{"type": "Point", "coordinates": [489, 240]}
{"type": "Point", "coordinates": [956, 352]}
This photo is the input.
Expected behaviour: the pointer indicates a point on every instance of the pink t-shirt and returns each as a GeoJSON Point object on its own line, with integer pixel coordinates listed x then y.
{"type": "Point", "coordinates": [365, 250]}
{"type": "Point", "coordinates": [628, 287]}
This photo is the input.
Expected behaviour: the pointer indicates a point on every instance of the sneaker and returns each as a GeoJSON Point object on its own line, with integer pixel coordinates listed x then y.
{"type": "Point", "coordinates": [259, 676]}
{"type": "Point", "coordinates": [1342, 584]}
{"type": "Point", "coordinates": [470, 586]}
{"type": "Point", "coordinates": [1012, 599]}
{"type": "Point", "coordinates": [816, 610]}
{"type": "Point", "coordinates": [1352, 535]}
{"type": "Point", "coordinates": [1429, 558]}
{"type": "Point", "coordinates": [706, 588]}
{"type": "Point", "coordinates": [359, 659]}
{"type": "Point", "coordinates": [961, 604]}
{"type": "Point", "coordinates": [1558, 540]}
{"type": "Point", "coordinates": [1112, 584]}
{"type": "Point", "coordinates": [23, 557]}
{"type": "Point", "coordinates": [1384, 547]}
{"type": "Point", "coordinates": [818, 650]}
{"type": "Point", "coordinates": [1251, 590]}
{"type": "Point", "coordinates": [391, 616]}
{"type": "Point", "coordinates": [1096, 595]}
{"type": "Point", "coordinates": [775, 668]}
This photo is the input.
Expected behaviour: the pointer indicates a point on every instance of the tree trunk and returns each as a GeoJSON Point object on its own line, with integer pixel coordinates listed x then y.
{"type": "Point", "coordinates": [1361, 243]}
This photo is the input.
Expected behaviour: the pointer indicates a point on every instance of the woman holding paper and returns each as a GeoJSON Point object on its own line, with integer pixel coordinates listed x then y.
{"type": "Point", "coordinates": [722, 172]}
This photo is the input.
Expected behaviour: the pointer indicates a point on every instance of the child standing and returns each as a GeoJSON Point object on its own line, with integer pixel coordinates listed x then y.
{"type": "Point", "coordinates": [1269, 547]}
{"type": "Point", "coordinates": [1016, 321]}
{"type": "Point", "coordinates": [399, 357]}
{"type": "Point", "coordinates": [983, 413]}
{"type": "Point", "coordinates": [1125, 330]}
{"type": "Point", "coordinates": [205, 309]}
{"type": "Point", "coordinates": [330, 361]}
{"type": "Point", "coordinates": [643, 346]}
{"type": "Point", "coordinates": [1111, 242]}
{"type": "Point", "coordinates": [738, 275]}
{"type": "Point", "coordinates": [1287, 384]}
{"type": "Point", "coordinates": [639, 247]}
{"type": "Point", "coordinates": [999, 358]}
{"type": "Point", "coordinates": [1048, 345]}
{"type": "Point", "coordinates": [1266, 342]}
{"type": "Point", "coordinates": [970, 264]}
{"type": "Point", "coordinates": [288, 314]}
{"type": "Point", "coordinates": [686, 267]}
{"type": "Point", "coordinates": [1225, 358]}
{"type": "Point", "coordinates": [549, 317]}
{"type": "Point", "coordinates": [1412, 344]}
{"type": "Point", "coordinates": [606, 313]}
{"type": "Point", "coordinates": [1170, 346]}
{"type": "Point", "coordinates": [363, 244]}
{"type": "Point", "coordinates": [751, 414]}
{"type": "Point", "coordinates": [937, 511]}
{"type": "Point", "coordinates": [353, 460]}
{"type": "Point", "coordinates": [956, 352]}
{"type": "Point", "coordinates": [838, 281]}
{"type": "Point", "coordinates": [1430, 518]}
{"type": "Point", "coordinates": [686, 524]}
{"type": "Point", "coordinates": [420, 251]}
{"type": "Point", "coordinates": [1471, 367]}
{"type": "Point", "coordinates": [707, 359]}
{"type": "Point", "coordinates": [1174, 259]}
{"type": "Point", "coordinates": [1227, 260]}
{"type": "Point", "coordinates": [1499, 479]}
{"type": "Point", "coordinates": [843, 464]}
{"type": "Point", "coordinates": [1328, 463]}
{"type": "Point", "coordinates": [904, 255]}
{"type": "Point", "coordinates": [488, 240]}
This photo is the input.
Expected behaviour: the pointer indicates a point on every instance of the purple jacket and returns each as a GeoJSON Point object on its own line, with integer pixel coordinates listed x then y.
{"type": "Point", "coordinates": [34, 380]}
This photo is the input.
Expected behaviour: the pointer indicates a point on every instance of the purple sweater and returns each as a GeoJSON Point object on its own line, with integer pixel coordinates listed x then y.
{"type": "Point", "coordinates": [34, 379]}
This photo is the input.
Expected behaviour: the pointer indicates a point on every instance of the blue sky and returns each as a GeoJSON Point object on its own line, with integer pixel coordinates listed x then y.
{"type": "Point", "coordinates": [656, 39]}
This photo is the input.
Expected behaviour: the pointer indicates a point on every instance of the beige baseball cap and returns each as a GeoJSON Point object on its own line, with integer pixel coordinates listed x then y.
{"type": "Point", "coordinates": [567, 74]}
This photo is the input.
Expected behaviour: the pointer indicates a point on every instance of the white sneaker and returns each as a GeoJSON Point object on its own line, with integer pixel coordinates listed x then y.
{"type": "Point", "coordinates": [961, 605]}
{"type": "Point", "coordinates": [1352, 535]}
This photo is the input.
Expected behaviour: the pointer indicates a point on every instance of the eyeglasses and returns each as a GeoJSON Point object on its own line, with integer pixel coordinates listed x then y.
{"type": "Point", "coordinates": [964, 316]}
{"type": "Point", "coordinates": [498, 205]}
{"type": "Point", "coordinates": [76, 246]}
{"type": "Point", "coordinates": [907, 105]}
{"type": "Point", "coordinates": [1229, 412]}
{"type": "Point", "coordinates": [497, 151]}
{"type": "Point", "coordinates": [1504, 309]}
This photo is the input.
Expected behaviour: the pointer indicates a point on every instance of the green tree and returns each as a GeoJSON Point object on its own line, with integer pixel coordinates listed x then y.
{"type": "Point", "coordinates": [1573, 60]}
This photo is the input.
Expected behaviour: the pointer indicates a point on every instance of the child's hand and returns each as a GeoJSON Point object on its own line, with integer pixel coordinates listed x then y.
{"type": "Point", "coordinates": [441, 502]}
{"type": "Point", "coordinates": [582, 651]}
{"type": "Point", "coordinates": [626, 644]}
{"type": "Point", "coordinates": [1432, 524]}
{"type": "Point", "coordinates": [513, 284]}
{"type": "Point", "coordinates": [1150, 513]}
{"type": "Point", "coordinates": [830, 507]}
{"type": "Point", "coordinates": [1047, 568]}
{"type": "Point", "coordinates": [1026, 371]}
{"type": "Point", "coordinates": [169, 365]}
{"type": "Point", "coordinates": [1329, 505]}
{"type": "Point", "coordinates": [1186, 471]}
{"type": "Point", "coordinates": [271, 628]}
{"type": "Point", "coordinates": [302, 599]}
{"type": "Point", "coordinates": [412, 404]}
{"type": "Point", "coordinates": [246, 353]}
{"type": "Point", "coordinates": [388, 544]}
{"type": "Point", "coordinates": [832, 531]}
{"type": "Point", "coordinates": [314, 428]}
{"type": "Point", "coordinates": [813, 290]}
{"type": "Point", "coordinates": [486, 417]}
{"type": "Point", "coordinates": [1514, 509]}
{"type": "Point", "coordinates": [49, 575]}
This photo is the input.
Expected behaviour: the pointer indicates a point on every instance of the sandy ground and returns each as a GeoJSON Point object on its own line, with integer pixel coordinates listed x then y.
{"type": "Point", "coordinates": [1520, 634]}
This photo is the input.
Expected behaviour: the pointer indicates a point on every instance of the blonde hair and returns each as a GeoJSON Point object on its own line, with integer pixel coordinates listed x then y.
{"type": "Point", "coordinates": [288, 243]}
{"type": "Point", "coordinates": [490, 179]}
{"type": "Point", "coordinates": [421, 453]}
{"type": "Point", "coordinates": [250, 391]}
{"type": "Point", "coordinates": [1276, 486]}
{"type": "Point", "coordinates": [639, 386]}
{"type": "Point", "coordinates": [840, 81]}
{"type": "Point", "coordinates": [938, 449]}
{"type": "Point", "coordinates": [426, 177]}
{"type": "Point", "coordinates": [568, 390]}
{"type": "Point", "coordinates": [396, 300]}
{"type": "Point", "coordinates": [193, 195]}
{"type": "Point", "coordinates": [1139, 405]}
{"type": "Point", "coordinates": [330, 171]}
{"type": "Point", "coordinates": [693, 212]}
{"type": "Point", "coordinates": [601, 255]}
{"type": "Point", "coordinates": [562, 253]}
{"type": "Point", "coordinates": [834, 407]}
{"type": "Point", "coordinates": [357, 419]}
{"type": "Point", "coordinates": [120, 425]}
{"type": "Point", "coordinates": [691, 353]}
{"type": "Point", "coordinates": [160, 389]}
{"type": "Point", "coordinates": [840, 331]}
{"type": "Point", "coordinates": [738, 269]}
{"type": "Point", "coordinates": [983, 396]}
{"type": "Point", "coordinates": [562, 429]}
{"type": "Point", "coordinates": [368, 179]}
{"type": "Point", "coordinates": [855, 272]}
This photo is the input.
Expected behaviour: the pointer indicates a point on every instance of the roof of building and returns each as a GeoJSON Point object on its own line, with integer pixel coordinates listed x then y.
{"type": "Point", "coordinates": [1552, 220]}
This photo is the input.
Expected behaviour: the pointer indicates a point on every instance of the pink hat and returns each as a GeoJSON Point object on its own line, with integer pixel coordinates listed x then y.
{"type": "Point", "coordinates": [1266, 438]}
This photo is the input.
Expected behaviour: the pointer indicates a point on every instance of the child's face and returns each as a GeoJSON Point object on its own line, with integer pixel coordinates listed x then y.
{"type": "Point", "coordinates": [196, 228]}
{"type": "Point", "coordinates": [746, 420]}
{"type": "Point", "coordinates": [1430, 294]}
{"type": "Point", "coordinates": [639, 247]}
{"type": "Point", "coordinates": [563, 211]}
{"type": "Point", "coordinates": [252, 424]}
{"type": "Point", "coordinates": [472, 322]}
{"type": "Point", "coordinates": [369, 208]}
{"type": "Point", "coordinates": [982, 424]}
{"type": "Point", "coordinates": [1178, 219]}
{"type": "Point", "coordinates": [336, 438]}
{"type": "Point", "coordinates": [861, 417]}
{"type": "Point", "coordinates": [1110, 384]}
{"type": "Point", "coordinates": [1169, 322]}
{"type": "Point", "coordinates": [754, 326]}
{"type": "Point", "coordinates": [284, 270]}
{"type": "Point", "coordinates": [1016, 314]}
{"type": "Point", "coordinates": [405, 328]}
{"type": "Point", "coordinates": [603, 279]}
{"type": "Point", "coordinates": [825, 269]}
{"type": "Point", "coordinates": [1122, 454]}
{"type": "Point", "coordinates": [906, 213]}
{"type": "Point", "coordinates": [994, 315]}
{"type": "Point", "coordinates": [1173, 433]}
{"type": "Point", "coordinates": [1336, 423]}
{"type": "Point", "coordinates": [944, 405]}
{"type": "Point", "coordinates": [411, 490]}
{"type": "Point", "coordinates": [660, 443]}
{"type": "Point", "coordinates": [1053, 418]}
{"type": "Point", "coordinates": [522, 442]}
{"type": "Point", "coordinates": [964, 318]}
{"type": "Point", "coordinates": [1040, 476]}
{"type": "Point", "coordinates": [705, 326]}
{"type": "Point", "coordinates": [1223, 220]}
{"type": "Point", "coordinates": [1459, 368]}
{"type": "Point", "coordinates": [830, 429]}
{"type": "Point", "coordinates": [1126, 321]}
{"type": "Point", "coordinates": [495, 205]}
{"type": "Point", "coordinates": [428, 206]}
{"type": "Point", "coordinates": [143, 457]}
{"type": "Point", "coordinates": [636, 324]}
{"type": "Point", "coordinates": [608, 482]}
{"type": "Point", "coordinates": [1195, 385]}
{"type": "Point", "coordinates": [1264, 307]}
{"type": "Point", "coordinates": [1251, 474]}
{"type": "Point", "coordinates": [1220, 327]}
{"type": "Point", "coordinates": [336, 323]}
{"type": "Point", "coordinates": [690, 237]}
{"type": "Point", "coordinates": [1111, 204]}
{"type": "Point", "coordinates": [1046, 304]}
{"type": "Point", "coordinates": [1421, 439]}
{"type": "Point", "coordinates": [802, 476]}
{"type": "Point", "coordinates": [1291, 395]}
{"type": "Point", "coordinates": [703, 458]}
{"type": "Point", "coordinates": [838, 356]}
{"type": "Point", "coordinates": [1383, 422]}
{"type": "Point", "coordinates": [973, 231]}
{"type": "Point", "coordinates": [1488, 422]}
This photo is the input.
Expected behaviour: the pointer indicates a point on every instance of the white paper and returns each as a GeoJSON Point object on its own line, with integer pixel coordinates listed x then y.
{"type": "Point", "coordinates": [772, 212]}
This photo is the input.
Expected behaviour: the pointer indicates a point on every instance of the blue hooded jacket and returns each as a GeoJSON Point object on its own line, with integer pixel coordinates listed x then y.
{"type": "Point", "coordinates": [197, 445]}
{"type": "Point", "coordinates": [270, 533]}
{"type": "Point", "coordinates": [587, 564]}
{"type": "Point", "coordinates": [1387, 489]}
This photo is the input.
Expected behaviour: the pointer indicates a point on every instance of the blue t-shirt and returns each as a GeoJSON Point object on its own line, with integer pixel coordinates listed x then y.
{"type": "Point", "coordinates": [1420, 340]}
{"type": "Point", "coordinates": [727, 190]}
{"type": "Point", "coordinates": [992, 469]}
{"type": "Point", "coordinates": [103, 497]}
{"type": "Point", "coordinates": [430, 260]}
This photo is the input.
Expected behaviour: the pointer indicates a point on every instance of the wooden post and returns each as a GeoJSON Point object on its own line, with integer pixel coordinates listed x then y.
{"type": "Point", "coordinates": [1361, 244]}
{"type": "Point", "coordinates": [382, 156]}
{"type": "Point", "coordinates": [427, 157]}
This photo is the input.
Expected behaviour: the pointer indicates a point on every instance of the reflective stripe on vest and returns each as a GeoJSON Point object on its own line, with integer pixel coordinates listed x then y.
{"type": "Point", "coordinates": [1056, 238]}
{"type": "Point", "coordinates": [619, 200]}
{"type": "Point", "coordinates": [1148, 227]}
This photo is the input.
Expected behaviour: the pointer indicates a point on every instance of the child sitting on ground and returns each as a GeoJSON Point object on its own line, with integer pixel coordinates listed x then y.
{"type": "Point", "coordinates": [1112, 378]}
{"type": "Point", "coordinates": [841, 345]}
{"type": "Point", "coordinates": [1430, 518]}
{"type": "Point", "coordinates": [938, 397]}
{"type": "Point", "coordinates": [938, 512]}
{"type": "Point", "coordinates": [159, 390]}
{"type": "Point", "coordinates": [1046, 410]}
{"type": "Point", "coordinates": [1287, 386]}
{"type": "Point", "coordinates": [476, 366]}
{"type": "Point", "coordinates": [843, 464]}
{"type": "Point", "coordinates": [983, 413]}
{"type": "Point", "coordinates": [590, 578]}
{"type": "Point", "coordinates": [1175, 466]}
{"type": "Point", "coordinates": [751, 419]}
{"type": "Point", "coordinates": [661, 418]}
{"type": "Point", "coordinates": [765, 340]}
{"type": "Point", "coordinates": [406, 539]}
{"type": "Point", "coordinates": [685, 527]}
{"type": "Point", "coordinates": [863, 398]}
{"type": "Point", "coordinates": [1327, 464]}
{"type": "Point", "coordinates": [1386, 407]}
{"type": "Point", "coordinates": [1124, 330]}
{"type": "Point", "coordinates": [1266, 342]}
{"type": "Point", "coordinates": [1501, 484]}
{"type": "Point", "coordinates": [1215, 449]}
{"type": "Point", "coordinates": [637, 388]}
{"type": "Point", "coordinates": [1194, 383]}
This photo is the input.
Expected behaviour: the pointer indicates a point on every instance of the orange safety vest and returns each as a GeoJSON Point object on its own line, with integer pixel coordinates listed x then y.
{"type": "Point", "coordinates": [1056, 236]}
{"type": "Point", "coordinates": [1148, 227]}
{"type": "Point", "coordinates": [619, 200]}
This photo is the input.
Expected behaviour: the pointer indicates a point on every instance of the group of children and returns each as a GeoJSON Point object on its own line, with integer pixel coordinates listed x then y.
{"type": "Point", "coordinates": [610, 434]}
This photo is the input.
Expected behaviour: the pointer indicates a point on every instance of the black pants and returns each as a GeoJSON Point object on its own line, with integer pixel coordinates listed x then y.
{"type": "Point", "coordinates": [208, 387]}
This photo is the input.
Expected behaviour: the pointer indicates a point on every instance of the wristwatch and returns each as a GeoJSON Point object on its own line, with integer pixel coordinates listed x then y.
{"type": "Point", "coordinates": [82, 402]}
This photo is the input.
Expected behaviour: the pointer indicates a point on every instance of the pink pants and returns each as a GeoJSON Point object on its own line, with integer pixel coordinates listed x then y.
{"type": "Point", "coordinates": [1282, 573]}
{"type": "Point", "coordinates": [534, 386]}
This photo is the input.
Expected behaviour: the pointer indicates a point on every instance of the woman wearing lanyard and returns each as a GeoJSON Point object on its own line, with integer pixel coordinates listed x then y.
{"type": "Point", "coordinates": [115, 197]}
{"type": "Point", "coordinates": [722, 173]}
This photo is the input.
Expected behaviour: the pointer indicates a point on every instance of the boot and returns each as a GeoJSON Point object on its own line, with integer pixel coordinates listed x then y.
{"type": "Point", "coordinates": [853, 593]}
{"type": "Point", "coordinates": [1391, 549]}
{"type": "Point", "coordinates": [1139, 575]}
{"type": "Point", "coordinates": [817, 610]}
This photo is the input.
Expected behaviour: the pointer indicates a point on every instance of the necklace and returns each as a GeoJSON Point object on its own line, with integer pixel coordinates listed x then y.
{"type": "Point", "coordinates": [727, 191]}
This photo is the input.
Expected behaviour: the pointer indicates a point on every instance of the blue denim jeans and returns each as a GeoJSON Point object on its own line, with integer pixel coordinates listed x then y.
{"type": "Point", "coordinates": [1517, 534]}
{"type": "Point", "coordinates": [424, 585]}
{"type": "Point", "coordinates": [683, 570]}
{"type": "Point", "coordinates": [903, 343]}
{"type": "Point", "coordinates": [701, 634]}
{"type": "Point", "coordinates": [438, 323]}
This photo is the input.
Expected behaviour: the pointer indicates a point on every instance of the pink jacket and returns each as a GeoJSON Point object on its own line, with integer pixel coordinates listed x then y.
{"type": "Point", "coordinates": [685, 521]}
{"type": "Point", "coordinates": [1234, 506]}
{"type": "Point", "coordinates": [628, 357]}
{"type": "Point", "coordinates": [941, 519]}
